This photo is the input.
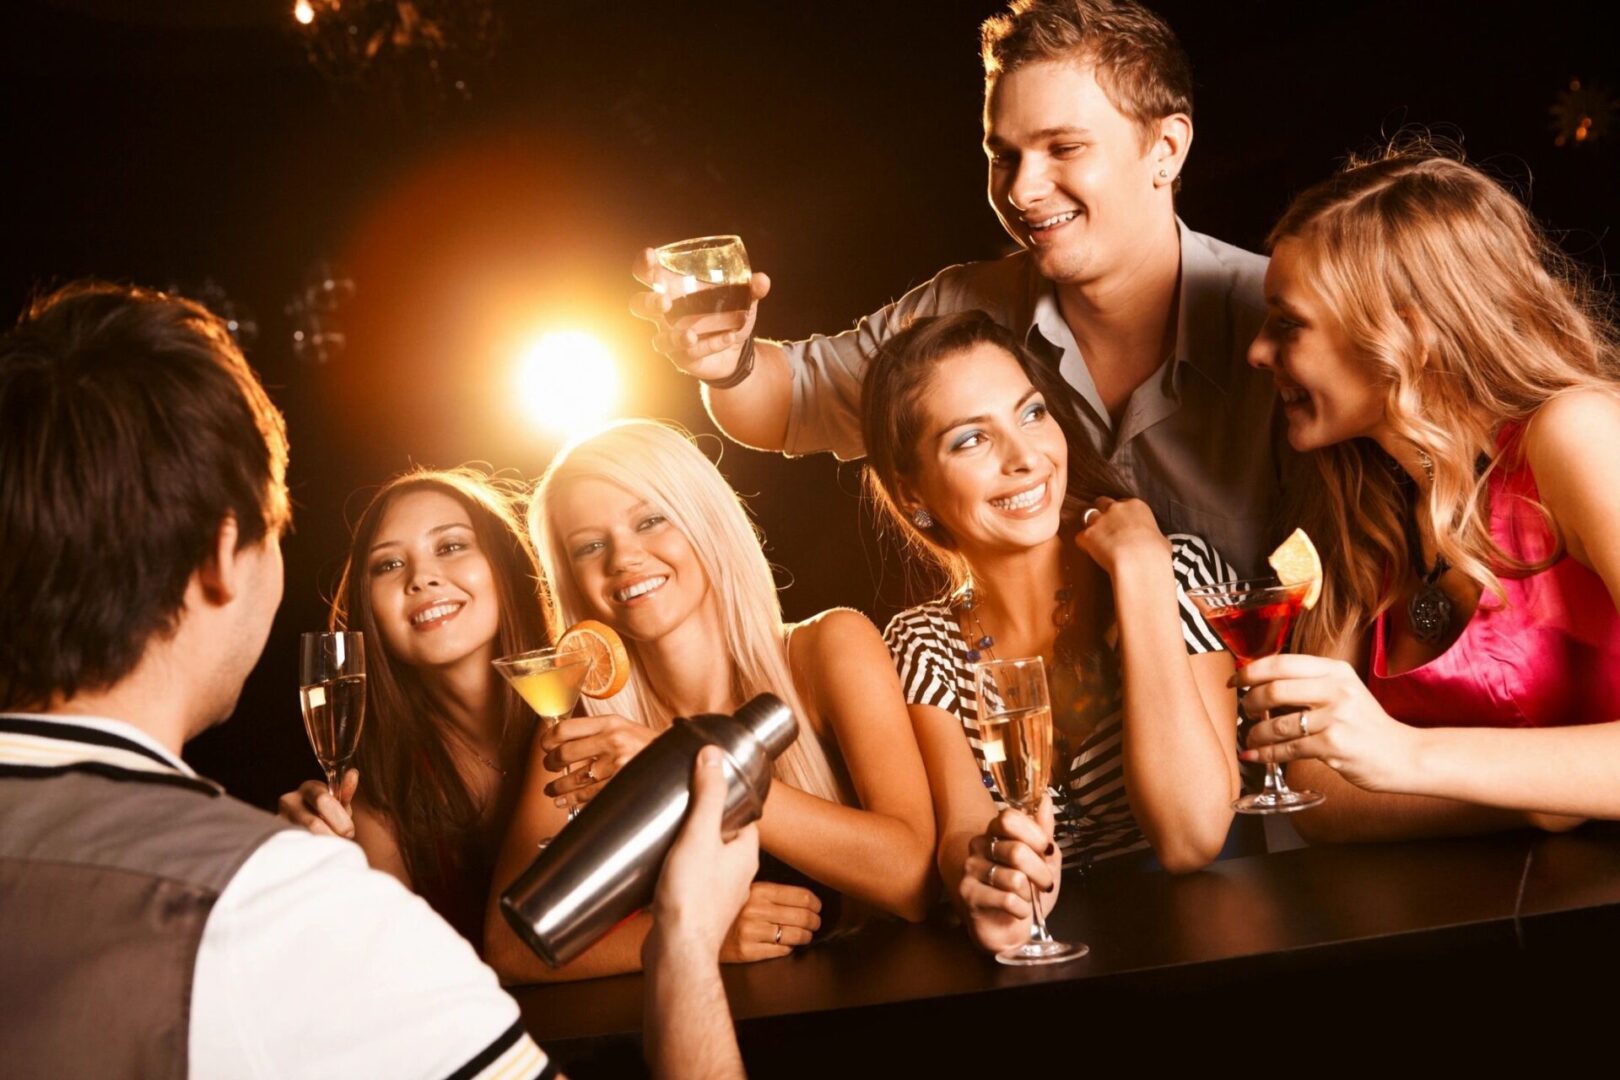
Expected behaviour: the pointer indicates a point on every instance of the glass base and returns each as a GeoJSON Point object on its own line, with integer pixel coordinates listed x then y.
{"type": "Point", "coordinates": [1042, 952]}
{"type": "Point", "coordinates": [1277, 802]}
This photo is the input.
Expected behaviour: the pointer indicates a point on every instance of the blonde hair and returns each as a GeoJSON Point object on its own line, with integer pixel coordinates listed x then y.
{"type": "Point", "coordinates": [1467, 316]}
{"type": "Point", "coordinates": [660, 464]}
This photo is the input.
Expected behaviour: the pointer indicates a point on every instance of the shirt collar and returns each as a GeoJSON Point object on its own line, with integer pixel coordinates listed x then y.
{"type": "Point", "coordinates": [1203, 292]}
{"type": "Point", "coordinates": [58, 741]}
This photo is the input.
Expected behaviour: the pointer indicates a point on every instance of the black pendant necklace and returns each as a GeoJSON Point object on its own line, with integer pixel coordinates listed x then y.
{"type": "Point", "coordinates": [1429, 610]}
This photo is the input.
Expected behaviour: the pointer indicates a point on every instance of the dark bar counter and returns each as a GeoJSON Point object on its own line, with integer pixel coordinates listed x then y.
{"type": "Point", "coordinates": [1467, 945]}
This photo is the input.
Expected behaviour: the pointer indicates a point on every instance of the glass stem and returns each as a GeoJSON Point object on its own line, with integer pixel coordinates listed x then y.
{"type": "Point", "coordinates": [1276, 783]}
{"type": "Point", "coordinates": [331, 779]}
{"type": "Point", "coordinates": [1037, 926]}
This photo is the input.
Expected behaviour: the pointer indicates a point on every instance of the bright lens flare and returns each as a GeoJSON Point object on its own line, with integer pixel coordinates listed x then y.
{"type": "Point", "coordinates": [567, 382]}
{"type": "Point", "coordinates": [303, 12]}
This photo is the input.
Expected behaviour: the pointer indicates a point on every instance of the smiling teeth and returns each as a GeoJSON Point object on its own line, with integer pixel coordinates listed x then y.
{"type": "Point", "coordinates": [1021, 501]}
{"type": "Point", "coordinates": [1058, 220]}
{"type": "Point", "coordinates": [1290, 396]}
{"type": "Point", "coordinates": [640, 588]}
{"type": "Point", "coordinates": [437, 611]}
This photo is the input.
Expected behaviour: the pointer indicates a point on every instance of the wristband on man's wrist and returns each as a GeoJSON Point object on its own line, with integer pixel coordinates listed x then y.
{"type": "Point", "coordinates": [744, 368]}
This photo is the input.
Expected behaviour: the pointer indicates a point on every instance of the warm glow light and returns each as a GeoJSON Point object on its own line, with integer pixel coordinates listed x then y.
{"type": "Point", "coordinates": [568, 382]}
{"type": "Point", "coordinates": [303, 12]}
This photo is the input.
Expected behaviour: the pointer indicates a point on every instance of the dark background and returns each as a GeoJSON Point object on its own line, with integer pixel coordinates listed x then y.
{"type": "Point", "coordinates": [165, 141]}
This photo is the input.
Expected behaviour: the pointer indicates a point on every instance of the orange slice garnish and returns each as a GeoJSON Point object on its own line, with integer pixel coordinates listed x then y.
{"type": "Point", "coordinates": [609, 663]}
{"type": "Point", "coordinates": [1297, 562]}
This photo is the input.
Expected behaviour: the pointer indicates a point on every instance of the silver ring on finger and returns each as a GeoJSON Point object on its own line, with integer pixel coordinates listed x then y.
{"type": "Point", "coordinates": [1304, 723]}
{"type": "Point", "coordinates": [777, 938]}
{"type": "Point", "coordinates": [990, 875]}
{"type": "Point", "coordinates": [590, 770]}
{"type": "Point", "coordinates": [993, 850]}
{"type": "Point", "coordinates": [1089, 516]}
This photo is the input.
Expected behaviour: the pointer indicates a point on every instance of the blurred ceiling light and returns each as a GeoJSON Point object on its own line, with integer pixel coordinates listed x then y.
{"type": "Point", "coordinates": [567, 382]}
{"type": "Point", "coordinates": [303, 12]}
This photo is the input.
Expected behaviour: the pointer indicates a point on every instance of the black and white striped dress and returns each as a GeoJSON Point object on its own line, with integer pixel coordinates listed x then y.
{"type": "Point", "coordinates": [1094, 816]}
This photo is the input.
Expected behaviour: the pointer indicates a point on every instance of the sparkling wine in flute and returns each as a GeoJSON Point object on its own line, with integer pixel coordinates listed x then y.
{"type": "Point", "coordinates": [1015, 734]}
{"type": "Point", "coordinates": [332, 694]}
{"type": "Point", "coordinates": [705, 276]}
{"type": "Point", "coordinates": [1018, 749]}
{"type": "Point", "coordinates": [334, 712]}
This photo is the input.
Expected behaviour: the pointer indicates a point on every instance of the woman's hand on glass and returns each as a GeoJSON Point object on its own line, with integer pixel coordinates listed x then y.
{"type": "Point", "coordinates": [775, 920]}
{"type": "Point", "coordinates": [1321, 709]}
{"type": "Point", "coordinates": [1116, 533]}
{"type": "Point", "coordinates": [596, 747]}
{"type": "Point", "coordinates": [1014, 851]}
{"type": "Point", "coordinates": [313, 807]}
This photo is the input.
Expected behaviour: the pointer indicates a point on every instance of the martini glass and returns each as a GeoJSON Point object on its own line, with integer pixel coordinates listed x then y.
{"type": "Point", "coordinates": [1253, 619]}
{"type": "Point", "coordinates": [549, 680]}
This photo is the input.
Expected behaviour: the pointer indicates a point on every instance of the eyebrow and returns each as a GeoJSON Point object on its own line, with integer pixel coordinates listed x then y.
{"type": "Point", "coordinates": [1276, 300]}
{"type": "Point", "coordinates": [634, 510]}
{"type": "Point", "coordinates": [436, 530]}
{"type": "Point", "coordinates": [1043, 133]}
{"type": "Point", "coordinates": [982, 417]}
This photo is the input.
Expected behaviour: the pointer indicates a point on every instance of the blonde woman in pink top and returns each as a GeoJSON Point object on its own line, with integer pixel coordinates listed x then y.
{"type": "Point", "coordinates": [1456, 384]}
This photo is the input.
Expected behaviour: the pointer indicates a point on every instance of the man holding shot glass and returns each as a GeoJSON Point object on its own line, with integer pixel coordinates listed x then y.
{"type": "Point", "coordinates": [1146, 320]}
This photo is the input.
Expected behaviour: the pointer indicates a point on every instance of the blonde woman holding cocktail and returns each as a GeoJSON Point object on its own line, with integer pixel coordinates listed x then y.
{"type": "Point", "coordinates": [1457, 384]}
{"type": "Point", "coordinates": [636, 528]}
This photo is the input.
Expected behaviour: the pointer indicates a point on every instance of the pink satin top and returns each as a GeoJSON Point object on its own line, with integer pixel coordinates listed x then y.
{"type": "Point", "coordinates": [1547, 657]}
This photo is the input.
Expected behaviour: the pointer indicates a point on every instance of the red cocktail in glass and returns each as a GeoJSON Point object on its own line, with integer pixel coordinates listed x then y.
{"type": "Point", "coordinates": [1252, 619]}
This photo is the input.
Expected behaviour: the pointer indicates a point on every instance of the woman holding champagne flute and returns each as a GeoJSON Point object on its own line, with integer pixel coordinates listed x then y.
{"type": "Point", "coordinates": [440, 580]}
{"type": "Point", "coordinates": [636, 528]}
{"type": "Point", "coordinates": [973, 467]}
{"type": "Point", "coordinates": [1457, 383]}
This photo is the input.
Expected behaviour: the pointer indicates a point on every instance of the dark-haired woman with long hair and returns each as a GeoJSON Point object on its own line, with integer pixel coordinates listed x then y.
{"type": "Point", "coordinates": [967, 455]}
{"type": "Point", "coordinates": [441, 580]}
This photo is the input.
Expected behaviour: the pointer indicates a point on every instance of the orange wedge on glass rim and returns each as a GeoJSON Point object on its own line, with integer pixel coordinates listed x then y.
{"type": "Point", "coordinates": [609, 663]}
{"type": "Point", "coordinates": [1297, 562]}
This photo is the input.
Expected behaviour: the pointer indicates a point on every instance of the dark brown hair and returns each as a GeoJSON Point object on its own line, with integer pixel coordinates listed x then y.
{"type": "Point", "coordinates": [891, 424]}
{"type": "Point", "coordinates": [1140, 65]}
{"type": "Point", "coordinates": [131, 427]}
{"type": "Point", "coordinates": [405, 764]}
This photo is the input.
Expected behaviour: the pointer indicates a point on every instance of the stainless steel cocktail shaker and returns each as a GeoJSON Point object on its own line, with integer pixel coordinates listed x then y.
{"type": "Point", "coordinates": [604, 865]}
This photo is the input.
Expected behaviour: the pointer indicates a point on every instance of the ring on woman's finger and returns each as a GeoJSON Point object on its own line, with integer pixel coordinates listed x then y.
{"type": "Point", "coordinates": [590, 770]}
{"type": "Point", "coordinates": [777, 939]}
{"type": "Point", "coordinates": [993, 849]}
{"type": "Point", "coordinates": [1304, 723]}
{"type": "Point", "coordinates": [990, 875]}
{"type": "Point", "coordinates": [1086, 518]}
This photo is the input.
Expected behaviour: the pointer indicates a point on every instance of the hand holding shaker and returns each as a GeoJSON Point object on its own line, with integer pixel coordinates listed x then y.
{"type": "Point", "coordinates": [604, 866]}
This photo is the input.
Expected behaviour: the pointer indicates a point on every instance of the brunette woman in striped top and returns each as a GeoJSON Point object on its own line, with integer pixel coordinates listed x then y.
{"type": "Point", "coordinates": [969, 459]}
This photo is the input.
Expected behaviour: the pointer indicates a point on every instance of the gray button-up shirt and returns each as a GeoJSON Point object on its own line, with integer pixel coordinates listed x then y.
{"type": "Point", "coordinates": [1200, 441]}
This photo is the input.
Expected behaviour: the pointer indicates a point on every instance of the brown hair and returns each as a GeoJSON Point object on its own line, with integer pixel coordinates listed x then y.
{"type": "Point", "coordinates": [1140, 64]}
{"type": "Point", "coordinates": [1467, 316]}
{"type": "Point", "coordinates": [409, 772]}
{"type": "Point", "coordinates": [891, 425]}
{"type": "Point", "coordinates": [131, 427]}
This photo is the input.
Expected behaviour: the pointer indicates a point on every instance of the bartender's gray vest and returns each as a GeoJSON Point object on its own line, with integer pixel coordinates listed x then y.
{"type": "Point", "coordinates": [107, 878]}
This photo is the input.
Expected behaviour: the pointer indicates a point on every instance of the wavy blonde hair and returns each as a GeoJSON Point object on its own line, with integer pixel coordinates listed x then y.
{"type": "Point", "coordinates": [659, 463]}
{"type": "Point", "coordinates": [1467, 316]}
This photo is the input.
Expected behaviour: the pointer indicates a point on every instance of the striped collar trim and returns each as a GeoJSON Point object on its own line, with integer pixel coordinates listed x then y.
{"type": "Point", "coordinates": [50, 745]}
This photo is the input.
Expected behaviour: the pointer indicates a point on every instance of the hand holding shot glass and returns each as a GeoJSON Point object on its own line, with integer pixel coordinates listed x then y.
{"type": "Point", "coordinates": [702, 293]}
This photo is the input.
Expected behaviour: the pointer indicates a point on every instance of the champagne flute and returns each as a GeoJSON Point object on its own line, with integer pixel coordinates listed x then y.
{"type": "Point", "coordinates": [1252, 619]}
{"type": "Point", "coordinates": [549, 680]}
{"type": "Point", "coordinates": [1015, 730]}
{"type": "Point", "coordinates": [703, 276]}
{"type": "Point", "coordinates": [332, 681]}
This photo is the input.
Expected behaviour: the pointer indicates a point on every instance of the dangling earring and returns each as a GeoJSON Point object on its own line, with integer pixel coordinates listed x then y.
{"type": "Point", "coordinates": [922, 518]}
